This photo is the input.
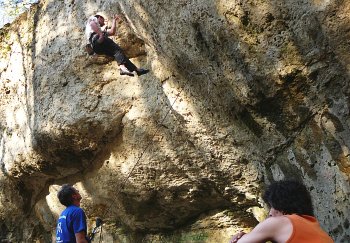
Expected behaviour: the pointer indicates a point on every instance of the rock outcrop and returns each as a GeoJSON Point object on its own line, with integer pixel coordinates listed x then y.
{"type": "Point", "coordinates": [240, 93]}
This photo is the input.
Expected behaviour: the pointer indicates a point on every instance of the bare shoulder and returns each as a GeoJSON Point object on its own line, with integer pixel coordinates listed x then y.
{"type": "Point", "coordinates": [278, 224]}
{"type": "Point", "coordinates": [281, 228]}
{"type": "Point", "coordinates": [277, 229]}
{"type": "Point", "coordinates": [277, 220]}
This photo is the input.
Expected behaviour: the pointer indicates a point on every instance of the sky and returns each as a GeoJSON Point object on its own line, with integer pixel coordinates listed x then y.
{"type": "Point", "coordinates": [4, 17]}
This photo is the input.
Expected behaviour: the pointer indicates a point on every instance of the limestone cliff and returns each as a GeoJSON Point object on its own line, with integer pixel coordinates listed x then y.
{"type": "Point", "coordinates": [240, 93]}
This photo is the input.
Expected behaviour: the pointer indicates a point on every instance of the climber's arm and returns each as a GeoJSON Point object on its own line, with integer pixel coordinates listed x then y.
{"type": "Point", "coordinates": [277, 229]}
{"type": "Point", "coordinates": [112, 30]}
{"type": "Point", "coordinates": [80, 237]}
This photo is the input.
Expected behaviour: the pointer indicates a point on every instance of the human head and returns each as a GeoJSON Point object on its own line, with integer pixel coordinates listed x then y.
{"type": "Point", "coordinates": [288, 197]}
{"type": "Point", "coordinates": [68, 195]}
{"type": "Point", "coordinates": [100, 19]}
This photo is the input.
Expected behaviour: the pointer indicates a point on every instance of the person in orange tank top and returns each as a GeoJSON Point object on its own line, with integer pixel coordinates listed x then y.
{"type": "Point", "coordinates": [291, 217]}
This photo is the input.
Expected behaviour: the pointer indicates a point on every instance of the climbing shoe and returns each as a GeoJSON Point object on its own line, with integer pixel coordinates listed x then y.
{"type": "Point", "coordinates": [141, 71]}
{"type": "Point", "coordinates": [124, 72]}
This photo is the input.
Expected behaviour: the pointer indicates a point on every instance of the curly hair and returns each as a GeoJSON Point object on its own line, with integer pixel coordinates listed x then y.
{"type": "Point", "coordinates": [289, 197]}
{"type": "Point", "coordinates": [65, 195]}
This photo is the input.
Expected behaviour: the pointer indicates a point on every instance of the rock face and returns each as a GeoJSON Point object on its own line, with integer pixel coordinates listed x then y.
{"type": "Point", "coordinates": [240, 93]}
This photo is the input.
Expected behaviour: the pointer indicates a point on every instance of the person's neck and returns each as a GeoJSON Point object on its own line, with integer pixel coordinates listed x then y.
{"type": "Point", "coordinates": [76, 203]}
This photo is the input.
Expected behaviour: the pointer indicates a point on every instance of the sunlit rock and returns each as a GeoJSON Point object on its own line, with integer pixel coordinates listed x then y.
{"type": "Point", "coordinates": [240, 93]}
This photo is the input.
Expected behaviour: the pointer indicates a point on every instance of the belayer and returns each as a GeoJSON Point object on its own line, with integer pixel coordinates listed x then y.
{"type": "Point", "coordinates": [102, 44]}
{"type": "Point", "coordinates": [71, 225]}
{"type": "Point", "coordinates": [291, 217]}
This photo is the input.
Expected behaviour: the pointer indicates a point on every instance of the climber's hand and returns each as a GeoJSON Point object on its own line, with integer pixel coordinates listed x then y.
{"type": "Point", "coordinates": [117, 18]}
{"type": "Point", "coordinates": [236, 237]}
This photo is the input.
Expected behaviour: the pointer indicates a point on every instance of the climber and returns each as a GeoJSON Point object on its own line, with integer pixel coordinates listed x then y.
{"type": "Point", "coordinates": [71, 225]}
{"type": "Point", "coordinates": [102, 44]}
{"type": "Point", "coordinates": [291, 218]}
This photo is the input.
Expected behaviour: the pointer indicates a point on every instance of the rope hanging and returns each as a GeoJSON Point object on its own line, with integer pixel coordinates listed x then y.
{"type": "Point", "coordinates": [138, 160]}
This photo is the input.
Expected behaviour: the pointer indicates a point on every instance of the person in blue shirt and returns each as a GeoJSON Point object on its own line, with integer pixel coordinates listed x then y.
{"type": "Point", "coordinates": [71, 225]}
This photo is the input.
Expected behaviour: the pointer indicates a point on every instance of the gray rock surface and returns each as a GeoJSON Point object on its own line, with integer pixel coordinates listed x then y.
{"type": "Point", "coordinates": [240, 93]}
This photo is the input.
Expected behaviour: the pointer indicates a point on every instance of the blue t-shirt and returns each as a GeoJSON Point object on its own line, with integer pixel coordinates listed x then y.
{"type": "Point", "coordinates": [71, 221]}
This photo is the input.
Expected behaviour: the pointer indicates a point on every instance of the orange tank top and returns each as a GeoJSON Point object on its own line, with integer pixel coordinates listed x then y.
{"type": "Point", "coordinates": [307, 229]}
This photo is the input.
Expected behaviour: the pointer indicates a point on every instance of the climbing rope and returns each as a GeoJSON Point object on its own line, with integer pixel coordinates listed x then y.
{"type": "Point", "coordinates": [138, 160]}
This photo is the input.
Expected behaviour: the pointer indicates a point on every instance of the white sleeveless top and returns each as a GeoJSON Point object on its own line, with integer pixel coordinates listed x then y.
{"type": "Point", "coordinates": [88, 29]}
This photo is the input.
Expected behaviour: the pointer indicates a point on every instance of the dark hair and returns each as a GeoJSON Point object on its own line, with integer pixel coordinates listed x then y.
{"type": "Point", "coordinates": [289, 197]}
{"type": "Point", "coordinates": [65, 195]}
{"type": "Point", "coordinates": [97, 16]}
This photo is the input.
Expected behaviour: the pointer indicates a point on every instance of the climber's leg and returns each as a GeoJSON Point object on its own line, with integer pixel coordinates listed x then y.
{"type": "Point", "coordinates": [110, 48]}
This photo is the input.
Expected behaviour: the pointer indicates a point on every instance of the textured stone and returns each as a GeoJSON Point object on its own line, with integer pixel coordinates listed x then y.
{"type": "Point", "coordinates": [240, 93]}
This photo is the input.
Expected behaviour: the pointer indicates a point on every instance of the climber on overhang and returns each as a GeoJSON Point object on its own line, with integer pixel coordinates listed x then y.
{"type": "Point", "coordinates": [102, 44]}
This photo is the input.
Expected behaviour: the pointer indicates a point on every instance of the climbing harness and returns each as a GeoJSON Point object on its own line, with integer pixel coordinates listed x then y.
{"type": "Point", "coordinates": [99, 222]}
{"type": "Point", "coordinates": [89, 49]}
